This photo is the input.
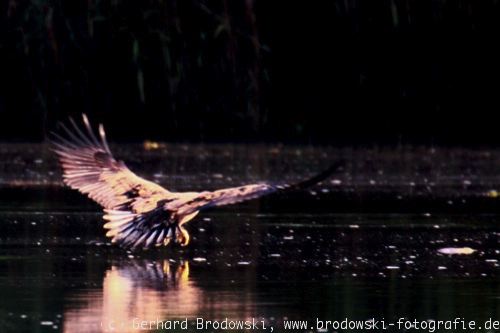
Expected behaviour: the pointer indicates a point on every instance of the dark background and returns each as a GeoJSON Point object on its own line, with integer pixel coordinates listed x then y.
{"type": "Point", "coordinates": [339, 72]}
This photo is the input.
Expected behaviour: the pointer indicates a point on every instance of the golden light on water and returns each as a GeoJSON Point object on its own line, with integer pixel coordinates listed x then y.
{"type": "Point", "coordinates": [133, 294]}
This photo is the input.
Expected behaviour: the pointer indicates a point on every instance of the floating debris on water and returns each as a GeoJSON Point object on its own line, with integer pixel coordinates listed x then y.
{"type": "Point", "coordinates": [456, 250]}
{"type": "Point", "coordinates": [392, 267]}
{"type": "Point", "coordinates": [492, 194]}
{"type": "Point", "coordinates": [199, 259]}
{"type": "Point", "coordinates": [152, 145]}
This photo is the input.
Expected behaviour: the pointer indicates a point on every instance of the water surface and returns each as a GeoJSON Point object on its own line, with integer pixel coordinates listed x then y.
{"type": "Point", "coordinates": [363, 244]}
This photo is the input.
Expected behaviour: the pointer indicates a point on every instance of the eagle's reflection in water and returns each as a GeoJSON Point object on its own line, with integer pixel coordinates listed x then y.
{"type": "Point", "coordinates": [135, 292]}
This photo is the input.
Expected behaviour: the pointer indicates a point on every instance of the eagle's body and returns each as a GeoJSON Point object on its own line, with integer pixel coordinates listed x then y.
{"type": "Point", "coordinates": [139, 213]}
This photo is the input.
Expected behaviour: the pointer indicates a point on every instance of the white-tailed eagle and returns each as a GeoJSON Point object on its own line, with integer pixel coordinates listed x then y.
{"type": "Point", "coordinates": [138, 212]}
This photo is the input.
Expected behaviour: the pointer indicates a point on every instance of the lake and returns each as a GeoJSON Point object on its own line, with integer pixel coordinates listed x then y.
{"type": "Point", "coordinates": [367, 243]}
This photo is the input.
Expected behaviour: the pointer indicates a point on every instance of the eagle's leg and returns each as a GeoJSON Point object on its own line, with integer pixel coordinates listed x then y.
{"type": "Point", "coordinates": [177, 231]}
{"type": "Point", "coordinates": [182, 236]}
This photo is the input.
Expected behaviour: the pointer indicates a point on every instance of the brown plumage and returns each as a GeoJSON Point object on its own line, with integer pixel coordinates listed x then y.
{"type": "Point", "coordinates": [140, 213]}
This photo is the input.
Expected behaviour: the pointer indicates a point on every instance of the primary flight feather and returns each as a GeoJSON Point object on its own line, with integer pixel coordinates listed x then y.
{"type": "Point", "coordinates": [140, 213]}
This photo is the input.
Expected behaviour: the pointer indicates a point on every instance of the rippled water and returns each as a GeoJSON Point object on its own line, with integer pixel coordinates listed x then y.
{"type": "Point", "coordinates": [365, 244]}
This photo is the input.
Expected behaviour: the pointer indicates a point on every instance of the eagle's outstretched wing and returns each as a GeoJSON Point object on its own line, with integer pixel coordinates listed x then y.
{"type": "Point", "coordinates": [132, 204]}
{"type": "Point", "coordinates": [232, 195]}
{"type": "Point", "coordinates": [90, 168]}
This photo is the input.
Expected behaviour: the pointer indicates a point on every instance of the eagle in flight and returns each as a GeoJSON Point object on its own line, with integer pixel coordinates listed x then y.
{"type": "Point", "coordinates": [140, 213]}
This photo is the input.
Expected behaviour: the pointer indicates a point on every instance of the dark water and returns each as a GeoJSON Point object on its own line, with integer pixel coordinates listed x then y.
{"type": "Point", "coordinates": [362, 245]}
